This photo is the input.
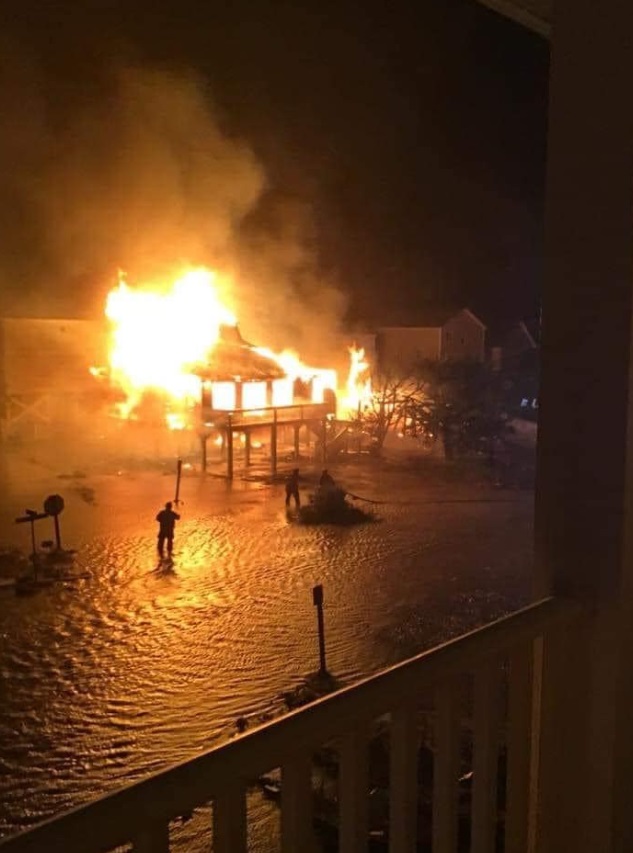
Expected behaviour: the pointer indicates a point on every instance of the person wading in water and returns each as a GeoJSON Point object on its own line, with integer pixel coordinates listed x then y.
{"type": "Point", "coordinates": [292, 488]}
{"type": "Point", "coordinates": [166, 519]}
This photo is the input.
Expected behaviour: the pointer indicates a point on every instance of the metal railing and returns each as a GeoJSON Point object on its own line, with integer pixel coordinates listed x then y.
{"type": "Point", "coordinates": [500, 712]}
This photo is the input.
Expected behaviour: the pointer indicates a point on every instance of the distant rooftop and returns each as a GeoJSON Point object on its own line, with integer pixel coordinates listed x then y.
{"type": "Point", "coordinates": [427, 317]}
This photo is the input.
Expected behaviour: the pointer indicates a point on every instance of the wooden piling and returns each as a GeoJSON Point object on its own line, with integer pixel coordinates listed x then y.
{"type": "Point", "coordinates": [297, 429]}
{"type": "Point", "coordinates": [324, 440]}
{"type": "Point", "coordinates": [229, 449]}
{"type": "Point", "coordinates": [203, 452]}
{"type": "Point", "coordinates": [247, 448]}
{"type": "Point", "coordinates": [273, 443]}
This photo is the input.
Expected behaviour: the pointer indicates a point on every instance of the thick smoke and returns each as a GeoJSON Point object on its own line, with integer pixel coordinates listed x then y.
{"type": "Point", "coordinates": [136, 170]}
{"type": "Point", "coordinates": [284, 298]}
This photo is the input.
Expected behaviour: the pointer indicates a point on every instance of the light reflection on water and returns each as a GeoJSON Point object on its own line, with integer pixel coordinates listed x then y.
{"type": "Point", "coordinates": [136, 668]}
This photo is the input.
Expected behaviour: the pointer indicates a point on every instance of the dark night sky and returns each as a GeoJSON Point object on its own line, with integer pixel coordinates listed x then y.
{"type": "Point", "coordinates": [415, 132]}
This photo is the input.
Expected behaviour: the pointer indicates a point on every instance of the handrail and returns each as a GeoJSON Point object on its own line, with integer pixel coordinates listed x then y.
{"type": "Point", "coordinates": [302, 408]}
{"type": "Point", "coordinates": [184, 786]}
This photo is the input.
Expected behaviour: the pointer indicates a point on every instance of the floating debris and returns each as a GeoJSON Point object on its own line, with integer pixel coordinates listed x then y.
{"type": "Point", "coordinates": [314, 687]}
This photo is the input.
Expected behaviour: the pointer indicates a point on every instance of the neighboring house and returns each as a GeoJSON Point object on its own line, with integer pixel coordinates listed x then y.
{"type": "Point", "coordinates": [512, 347]}
{"type": "Point", "coordinates": [436, 335]}
{"type": "Point", "coordinates": [514, 354]}
{"type": "Point", "coordinates": [45, 370]}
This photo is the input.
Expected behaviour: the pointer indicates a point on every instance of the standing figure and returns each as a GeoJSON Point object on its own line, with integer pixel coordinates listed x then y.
{"type": "Point", "coordinates": [326, 480]}
{"type": "Point", "coordinates": [292, 488]}
{"type": "Point", "coordinates": [329, 496]}
{"type": "Point", "coordinates": [166, 519]}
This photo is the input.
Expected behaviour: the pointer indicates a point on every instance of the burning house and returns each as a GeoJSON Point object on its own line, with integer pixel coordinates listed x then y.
{"type": "Point", "coordinates": [183, 346]}
{"type": "Point", "coordinates": [168, 368]}
{"type": "Point", "coordinates": [246, 391]}
{"type": "Point", "coordinates": [239, 376]}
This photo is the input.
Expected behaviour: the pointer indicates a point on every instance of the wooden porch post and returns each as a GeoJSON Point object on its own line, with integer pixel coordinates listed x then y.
{"type": "Point", "coordinates": [203, 451]}
{"type": "Point", "coordinates": [273, 443]}
{"type": "Point", "coordinates": [584, 508]}
{"type": "Point", "coordinates": [247, 448]}
{"type": "Point", "coordinates": [324, 439]}
{"type": "Point", "coordinates": [297, 430]}
{"type": "Point", "coordinates": [229, 449]}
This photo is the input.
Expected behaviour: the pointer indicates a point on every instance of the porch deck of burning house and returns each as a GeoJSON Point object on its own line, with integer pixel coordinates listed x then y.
{"type": "Point", "coordinates": [312, 418]}
{"type": "Point", "coordinates": [564, 718]}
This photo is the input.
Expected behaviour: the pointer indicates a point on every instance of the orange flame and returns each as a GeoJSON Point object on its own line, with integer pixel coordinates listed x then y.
{"type": "Point", "coordinates": [159, 334]}
{"type": "Point", "coordinates": [358, 391]}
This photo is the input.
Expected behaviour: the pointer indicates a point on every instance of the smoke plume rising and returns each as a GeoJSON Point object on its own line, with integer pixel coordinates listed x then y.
{"type": "Point", "coordinates": [136, 170]}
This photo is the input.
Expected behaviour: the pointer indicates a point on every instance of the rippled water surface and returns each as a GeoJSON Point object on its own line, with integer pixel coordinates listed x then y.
{"type": "Point", "coordinates": [135, 668]}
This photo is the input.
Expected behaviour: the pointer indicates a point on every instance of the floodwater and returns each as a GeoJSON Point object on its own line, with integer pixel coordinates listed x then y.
{"type": "Point", "coordinates": [133, 668]}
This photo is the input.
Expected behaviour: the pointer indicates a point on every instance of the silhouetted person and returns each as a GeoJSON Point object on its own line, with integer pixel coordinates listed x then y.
{"type": "Point", "coordinates": [166, 519]}
{"type": "Point", "coordinates": [326, 481]}
{"type": "Point", "coordinates": [329, 496]}
{"type": "Point", "coordinates": [292, 488]}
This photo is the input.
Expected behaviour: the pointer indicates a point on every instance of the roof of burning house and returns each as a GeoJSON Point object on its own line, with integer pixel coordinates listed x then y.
{"type": "Point", "coordinates": [233, 358]}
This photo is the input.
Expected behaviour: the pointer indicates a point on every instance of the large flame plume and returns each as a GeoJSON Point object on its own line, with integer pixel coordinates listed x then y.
{"type": "Point", "coordinates": [161, 334]}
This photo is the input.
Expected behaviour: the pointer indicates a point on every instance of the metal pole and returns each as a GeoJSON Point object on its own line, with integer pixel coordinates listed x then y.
{"type": "Point", "coordinates": [317, 598]}
{"type": "Point", "coordinates": [178, 475]}
{"type": "Point", "coordinates": [33, 550]}
{"type": "Point", "coordinates": [58, 538]}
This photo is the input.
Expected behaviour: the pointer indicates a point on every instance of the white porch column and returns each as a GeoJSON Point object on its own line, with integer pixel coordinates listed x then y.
{"type": "Point", "coordinates": [584, 512]}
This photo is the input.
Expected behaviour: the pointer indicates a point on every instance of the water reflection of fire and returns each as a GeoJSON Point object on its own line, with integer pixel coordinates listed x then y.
{"type": "Point", "coordinates": [181, 344]}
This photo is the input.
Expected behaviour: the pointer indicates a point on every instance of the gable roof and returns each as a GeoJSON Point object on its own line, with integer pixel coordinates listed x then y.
{"type": "Point", "coordinates": [528, 335]}
{"type": "Point", "coordinates": [430, 317]}
{"type": "Point", "coordinates": [472, 316]}
{"type": "Point", "coordinates": [499, 333]}
{"type": "Point", "coordinates": [232, 358]}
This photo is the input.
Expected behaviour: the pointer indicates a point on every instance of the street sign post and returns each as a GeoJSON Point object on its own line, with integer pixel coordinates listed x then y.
{"type": "Point", "coordinates": [54, 505]}
{"type": "Point", "coordinates": [317, 600]}
{"type": "Point", "coordinates": [30, 517]}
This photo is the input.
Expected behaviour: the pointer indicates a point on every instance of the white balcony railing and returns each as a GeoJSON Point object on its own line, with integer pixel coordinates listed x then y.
{"type": "Point", "coordinates": [477, 688]}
